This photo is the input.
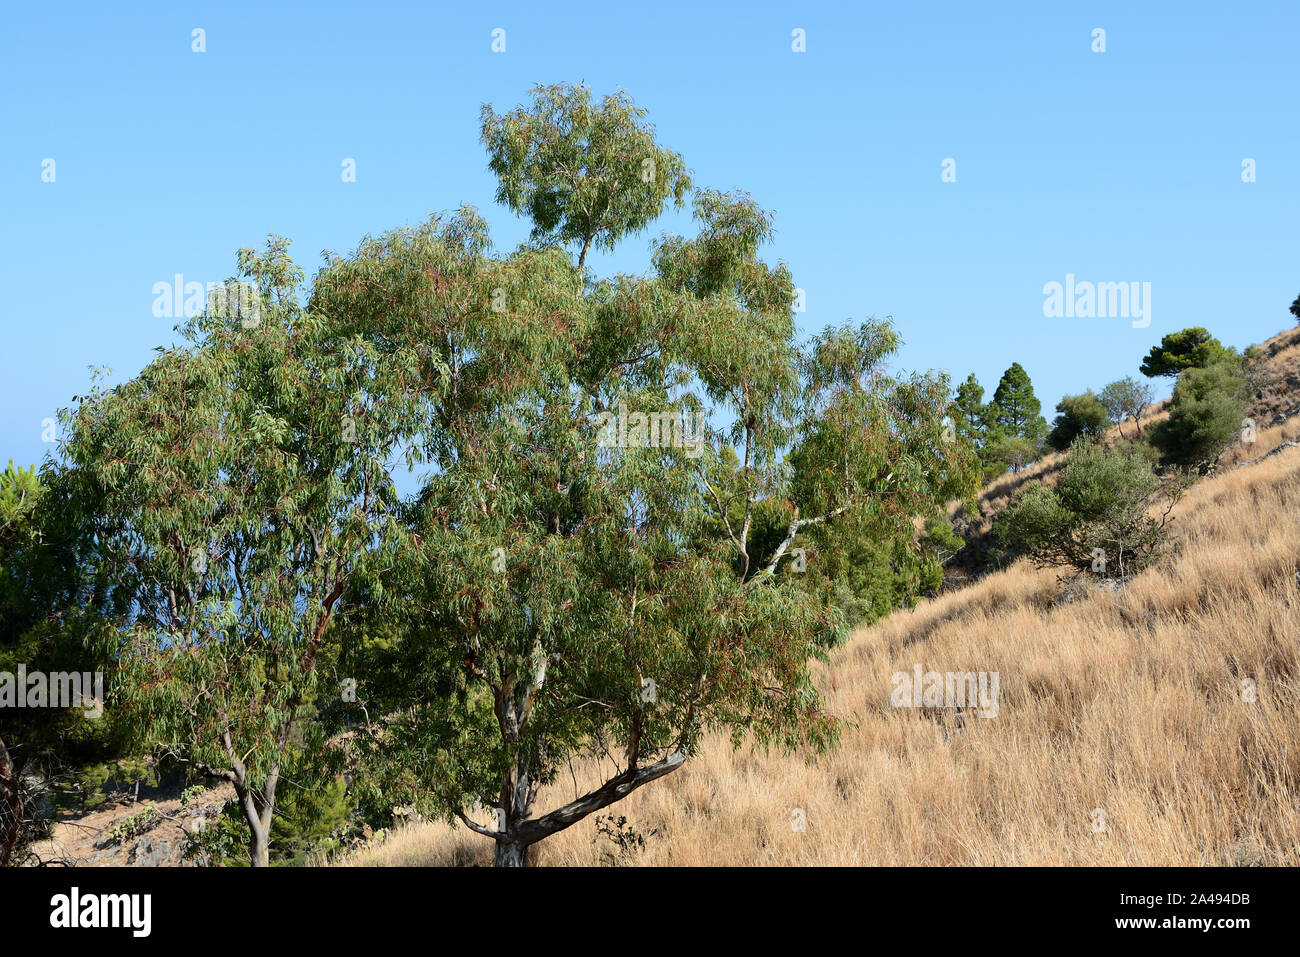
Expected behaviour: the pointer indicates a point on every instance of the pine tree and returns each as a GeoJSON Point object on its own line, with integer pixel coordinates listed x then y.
{"type": "Point", "coordinates": [1015, 410]}
{"type": "Point", "coordinates": [1190, 348]}
{"type": "Point", "coordinates": [969, 411]}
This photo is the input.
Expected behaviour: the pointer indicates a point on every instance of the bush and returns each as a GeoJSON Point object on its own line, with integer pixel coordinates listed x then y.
{"type": "Point", "coordinates": [1100, 503]}
{"type": "Point", "coordinates": [1205, 416]}
{"type": "Point", "coordinates": [1007, 451]}
{"type": "Point", "coordinates": [866, 570]}
{"type": "Point", "coordinates": [1078, 415]}
{"type": "Point", "coordinates": [938, 539]}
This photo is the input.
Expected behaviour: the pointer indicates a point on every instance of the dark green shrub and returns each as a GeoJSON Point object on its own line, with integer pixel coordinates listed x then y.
{"type": "Point", "coordinates": [1077, 415]}
{"type": "Point", "coordinates": [1205, 416]}
{"type": "Point", "coordinates": [1095, 517]}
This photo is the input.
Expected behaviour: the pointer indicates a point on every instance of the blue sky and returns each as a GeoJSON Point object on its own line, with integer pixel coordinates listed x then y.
{"type": "Point", "coordinates": [1122, 166]}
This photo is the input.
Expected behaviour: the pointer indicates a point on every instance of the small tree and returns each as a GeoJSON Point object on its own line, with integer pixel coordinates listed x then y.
{"type": "Point", "coordinates": [1126, 398]}
{"type": "Point", "coordinates": [1191, 348]}
{"type": "Point", "coordinates": [940, 540]}
{"type": "Point", "coordinates": [1004, 452]}
{"type": "Point", "coordinates": [1096, 516]}
{"type": "Point", "coordinates": [1015, 411]}
{"type": "Point", "coordinates": [1078, 415]}
{"type": "Point", "coordinates": [1206, 415]}
{"type": "Point", "coordinates": [969, 412]}
{"type": "Point", "coordinates": [243, 489]}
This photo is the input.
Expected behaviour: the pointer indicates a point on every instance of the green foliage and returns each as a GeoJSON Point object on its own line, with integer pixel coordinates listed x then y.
{"type": "Point", "coordinates": [1012, 428]}
{"type": "Point", "coordinates": [563, 561]}
{"type": "Point", "coordinates": [1079, 415]}
{"type": "Point", "coordinates": [128, 828]}
{"type": "Point", "coordinates": [247, 546]}
{"type": "Point", "coordinates": [1100, 502]}
{"type": "Point", "coordinates": [1191, 348]}
{"type": "Point", "coordinates": [216, 839]}
{"type": "Point", "coordinates": [52, 592]}
{"type": "Point", "coordinates": [864, 571]}
{"type": "Point", "coordinates": [1205, 415]}
{"type": "Point", "coordinates": [309, 822]}
{"type": "Point", "coordinates": [1015, 409]}
{"type": "Point", "coordinates": [92, 783]}
{"type": "Point", "coordinates": [939, 539]}
{"type": "Point", "coordinates": [308, 825]}
{"type": "Point", "coordinates": [1001, 452]}
{"type": "Point", "coordinates": [242, 485]}
{"type": "Point", "coordinates": [20, 489]}
{"type": "Point", "coordinates": [582, 172]}
{"type": "Point", "coordinates": [969, 412]}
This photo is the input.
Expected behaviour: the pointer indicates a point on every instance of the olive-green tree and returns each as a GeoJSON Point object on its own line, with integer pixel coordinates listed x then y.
{"type": "Point", "coordinates": [1206, 415]}
{"type": "Point", "coordinates": [1126, 398]}
{"type": "Point", "coordinates": [588, 579]}
{"type": "Point", "coordinates": [1097, 516]}
{"type": "Point", "coordinates": [243, 485]}
{"type": "Point", "coordinates": [1077, 415]}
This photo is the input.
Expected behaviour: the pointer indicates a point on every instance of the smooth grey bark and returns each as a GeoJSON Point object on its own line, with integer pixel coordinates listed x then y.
{"type": "Point", "coordinates": [515, 832]}
{"type": "Point", "coordinates": [258, 810]}
{"type": "Point", "coordinates": [520, 834]}
{"type": "Point", "coordinates": [510, 855]}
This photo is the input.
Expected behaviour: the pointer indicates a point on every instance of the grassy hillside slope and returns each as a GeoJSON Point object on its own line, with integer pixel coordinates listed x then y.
{"type": "Point", "coordinates": [1158, 725]}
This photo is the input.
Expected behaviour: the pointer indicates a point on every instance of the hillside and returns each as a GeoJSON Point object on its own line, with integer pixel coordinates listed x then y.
{"type": "Point", "coordinates": [1131, 703]}
{"type": "Point", "coordinates": [1152, 726]}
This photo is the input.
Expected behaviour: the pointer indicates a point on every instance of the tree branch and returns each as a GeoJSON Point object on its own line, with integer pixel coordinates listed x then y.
{"type": "Point", "coordinates": [613, 790]}
{"type": "Point", "coordinates": [794, 529]}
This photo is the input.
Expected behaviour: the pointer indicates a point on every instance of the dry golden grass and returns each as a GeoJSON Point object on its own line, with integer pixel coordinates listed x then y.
{"type": "Point", "coordinates": [1130, 703]}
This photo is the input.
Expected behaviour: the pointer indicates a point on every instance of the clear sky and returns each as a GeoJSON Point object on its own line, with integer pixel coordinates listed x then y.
{"type": "Point", "coordinates": [1115, 166]}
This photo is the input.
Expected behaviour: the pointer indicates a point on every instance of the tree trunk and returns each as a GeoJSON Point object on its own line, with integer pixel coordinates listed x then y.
{"type": "Point", "coordinates": [258, 817]}
{"type": "Point", "coordinates": [258, 846]}
{"type": "Point", "coordinates": [11, 806]}
{"type": "Point", "coordinates": [510, 854]}
{"type": "Point", "coordinates": [582, 256]}
{"type": "Point", "coordinates": [519, 833]}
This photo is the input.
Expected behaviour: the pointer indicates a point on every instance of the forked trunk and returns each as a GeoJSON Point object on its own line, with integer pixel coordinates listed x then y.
{"type": "Point", "coordinates": [259, 808]}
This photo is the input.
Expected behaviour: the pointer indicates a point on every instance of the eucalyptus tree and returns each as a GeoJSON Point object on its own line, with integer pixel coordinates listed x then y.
{"type": "Point", "coordinates": [244, 487]}
{"type": "Point", "coordinates": [584, 579]}
{"type": "Point", "coordinates": [583, 172]}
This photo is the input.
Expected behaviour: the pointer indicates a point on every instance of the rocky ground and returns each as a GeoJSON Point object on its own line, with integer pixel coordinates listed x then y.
{"type": "Point", "coordinates": [144, 830]}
